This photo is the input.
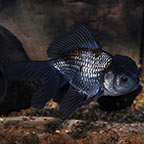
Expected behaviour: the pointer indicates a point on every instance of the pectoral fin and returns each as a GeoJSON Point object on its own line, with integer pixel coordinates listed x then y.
{"type": "Point", "coordinates": [61, 93]}
{"type": "Point", "coordinates": [95, 97]}
{"type": "Point", "coordinates": [70, 102]}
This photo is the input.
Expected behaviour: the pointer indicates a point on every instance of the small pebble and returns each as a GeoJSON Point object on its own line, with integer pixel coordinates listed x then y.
{"type": "Point", "coordinates": [101, 131]}
{"type": "Point", "coordinates": [117, 127]}
{"type": "Point", "coordinates": [116, 130]}
{"type": "Point", "coordinates": [79, 129]}
{"type": "Point", "coordinates": [1, 119]}
{"type": "Point", "coordinates": [57, 131]}
{"type": "Point", "coordinates": [95, 132]}
{"type": "Point", "coordinates": [67, 131]}
{"type": "Point", "coordinates": [31, 118]}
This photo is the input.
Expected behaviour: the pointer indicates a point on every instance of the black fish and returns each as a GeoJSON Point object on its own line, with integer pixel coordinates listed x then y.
{"type": "Point", "coordinates": [89, 69]}
{"type": "Point", "coordinates": [11, 93]}
{"type": "Point", "coordinates": [50, 80]}
{"type": "Point", "coordinates": [78, 60]}
{"type": "Point", "coordinates": [11, 50]}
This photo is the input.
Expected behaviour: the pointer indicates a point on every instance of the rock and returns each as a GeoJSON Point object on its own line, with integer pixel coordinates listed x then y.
{"type": "Point", "coordinates": [30, 138]}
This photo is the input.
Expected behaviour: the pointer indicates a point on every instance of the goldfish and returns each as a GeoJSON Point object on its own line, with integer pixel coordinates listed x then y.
{"type": "Point", "coordinates": [78, 60]}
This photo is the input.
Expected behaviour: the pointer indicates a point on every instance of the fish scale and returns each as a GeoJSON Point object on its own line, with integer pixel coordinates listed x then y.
{"type": "Point", "coordinates": [83, 68]}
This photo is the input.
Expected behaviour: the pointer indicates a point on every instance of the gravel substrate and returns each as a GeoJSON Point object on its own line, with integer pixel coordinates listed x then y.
{"type": "Point", "coordinates": [120, 127]}
{"type": "Point", "coordinates": [92, 112]}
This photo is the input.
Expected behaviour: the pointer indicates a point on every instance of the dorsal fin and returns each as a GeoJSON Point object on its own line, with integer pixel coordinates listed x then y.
{"type": "Point", "coordinates": [78, 37]}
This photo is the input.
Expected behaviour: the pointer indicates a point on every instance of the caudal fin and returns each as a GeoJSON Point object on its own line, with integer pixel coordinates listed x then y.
{"type": "Point", "coordinates": [11, 50]}
{"type": "Point", "coordinates": [3, 83]}
{"type": "Point", "coordinates": [41, 71]}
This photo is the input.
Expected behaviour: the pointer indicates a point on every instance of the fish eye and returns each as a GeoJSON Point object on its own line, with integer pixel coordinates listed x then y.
{"type": "Point", "coordinates": [124, 79]}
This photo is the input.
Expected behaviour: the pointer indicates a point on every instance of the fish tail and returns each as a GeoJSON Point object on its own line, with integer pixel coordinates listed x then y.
{"type": "Point", "coordinates": [50, 80]}
{"type": "Point", "coordinates": [11, 50]}
{"type": "Point", "coordinates": [3, 83]}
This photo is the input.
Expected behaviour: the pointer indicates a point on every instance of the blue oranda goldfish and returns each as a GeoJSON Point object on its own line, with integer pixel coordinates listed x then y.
{"type": "Point", "coordinates": [79, 60]}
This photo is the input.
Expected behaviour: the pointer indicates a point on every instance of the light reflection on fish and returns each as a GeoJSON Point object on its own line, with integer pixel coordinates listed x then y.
{"type": "Point", "coordinates": [78, 59]}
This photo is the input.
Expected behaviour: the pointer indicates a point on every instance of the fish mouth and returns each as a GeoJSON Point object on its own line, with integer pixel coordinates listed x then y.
{"type": "Point", "coordinates": [136, 85]}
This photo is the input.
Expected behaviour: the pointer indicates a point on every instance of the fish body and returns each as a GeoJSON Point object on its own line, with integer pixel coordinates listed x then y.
{"type": "Point", "coordinates": [83, 69]}
{"type": "Point", "coordinates": [89, 69]}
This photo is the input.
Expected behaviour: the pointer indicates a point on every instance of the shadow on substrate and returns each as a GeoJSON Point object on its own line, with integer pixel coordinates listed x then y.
{"type": "Point", "coordinates": [111, 103]}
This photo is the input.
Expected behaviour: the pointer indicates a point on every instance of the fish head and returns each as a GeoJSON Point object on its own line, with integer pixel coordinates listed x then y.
{"type": "Point", "coordinates": [122, 77]}
{"type": "Point", "coordinates": [126, 82]}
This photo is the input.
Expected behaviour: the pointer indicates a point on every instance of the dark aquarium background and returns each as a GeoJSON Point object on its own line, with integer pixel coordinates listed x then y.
{"type": "Point", "coordinates": [117, 25]}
